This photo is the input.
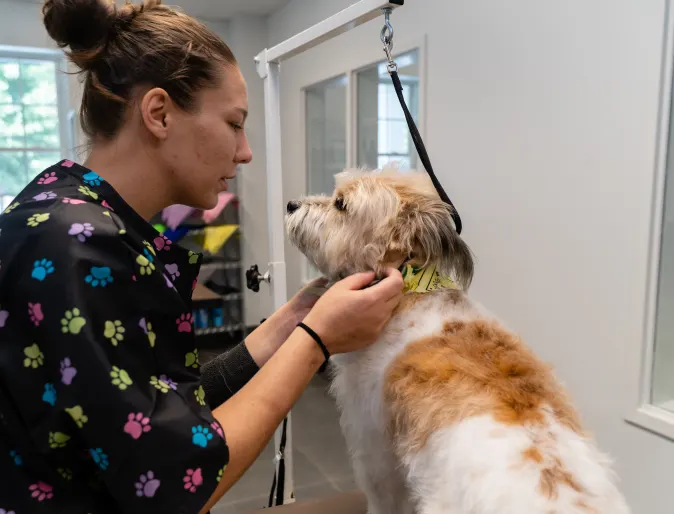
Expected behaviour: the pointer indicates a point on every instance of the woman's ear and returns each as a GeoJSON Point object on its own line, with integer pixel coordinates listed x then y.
{"type": "Point", "coordinates": [436, 241]}
{"type": "Point", "coordinates": [154, 109]}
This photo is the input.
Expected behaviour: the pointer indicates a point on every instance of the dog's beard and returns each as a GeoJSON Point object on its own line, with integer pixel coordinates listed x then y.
{"type": "Point", "coordinates": [305, 228]}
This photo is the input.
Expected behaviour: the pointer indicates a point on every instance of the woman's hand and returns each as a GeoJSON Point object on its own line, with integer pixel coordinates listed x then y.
{"type": "Point", "coordinates": [348, 317]}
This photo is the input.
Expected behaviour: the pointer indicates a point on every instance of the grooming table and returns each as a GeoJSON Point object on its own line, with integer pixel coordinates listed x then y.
{"type": "Point", "coordinates": [344, 503]}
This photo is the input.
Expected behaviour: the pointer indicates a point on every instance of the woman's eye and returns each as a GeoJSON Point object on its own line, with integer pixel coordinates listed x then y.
{"type": "Point", "coordinates": [236, 126]}
{"type": "Point", "coordinates": [340, 205]}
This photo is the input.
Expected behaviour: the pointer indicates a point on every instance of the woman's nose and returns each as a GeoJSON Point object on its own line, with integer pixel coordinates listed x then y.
{"type": "Point", "coordinates": [293, 205]}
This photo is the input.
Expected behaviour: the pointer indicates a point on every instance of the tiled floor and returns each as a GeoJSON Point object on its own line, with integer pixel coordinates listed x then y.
{"type": "Point", "coordinates": [320, 459]}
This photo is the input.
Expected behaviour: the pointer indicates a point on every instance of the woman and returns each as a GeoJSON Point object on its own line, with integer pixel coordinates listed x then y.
{"type": "Point", "coordinates": [102, 409]}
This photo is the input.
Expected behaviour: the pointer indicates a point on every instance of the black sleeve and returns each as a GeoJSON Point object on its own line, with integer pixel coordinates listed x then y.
{"type": "Point", "coordinates": [225, 375]}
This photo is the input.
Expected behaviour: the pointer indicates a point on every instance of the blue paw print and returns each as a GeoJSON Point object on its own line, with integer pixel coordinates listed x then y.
{"type": "Point", "coordinates": [49, 395]}
{"type": "Point", "coordinates": [201, 436]}
{"type": "Point", "coordinates": [148, 254]}
{"type": "Point", "coordinates": [92, 179]}
{"type": "Point", "coordinates": [99, 276]}
{"type": "Point", "coordinates": [41, 269]}
{"type": "Point", "coordinates": [100, 458]}
{"type": "Point", "coordinates": [18, 461]}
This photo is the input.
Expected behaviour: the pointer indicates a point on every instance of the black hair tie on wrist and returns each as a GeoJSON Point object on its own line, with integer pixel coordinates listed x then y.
{"type": "Point", "coordinates": [319, 342]}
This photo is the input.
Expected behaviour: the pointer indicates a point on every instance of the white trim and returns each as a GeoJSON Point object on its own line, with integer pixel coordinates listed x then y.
{"type": "Point", "coordinates": [25, 52]}
{"type": "Point", "coordinates": [641, 411]}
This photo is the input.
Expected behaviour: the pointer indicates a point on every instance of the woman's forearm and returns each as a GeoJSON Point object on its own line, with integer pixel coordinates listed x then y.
{"type": "Point", "coordinates": [250, 417]}
{"type": "Point", "coordinates": [265, 340]}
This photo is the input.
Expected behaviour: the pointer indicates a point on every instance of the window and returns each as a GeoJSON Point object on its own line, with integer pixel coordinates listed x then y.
{"type": "Point", "coordinates": [355, 120]}
{"type": "Point", "coordinates": [662, 394]}
{"type": "Point", "coordinates": [33, 109]}
{"type": "Point", "coordinates": [383, 136]}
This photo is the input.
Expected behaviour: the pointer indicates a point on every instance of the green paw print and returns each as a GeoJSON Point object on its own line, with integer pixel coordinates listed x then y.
{"type": "Point", "coordinates": [114, 331]}
{"type": "Point", "coordinates": [120, 378]}
{"type": "Point", "coordinates": [11, 208]}
{"type": "Point", "coordinates": [78, 415]}
{"type": "Point", "coordinates": [192, 359]}
{"type": "Point", "coordinates": [194, 257]}
{"type": "Point", "coordinates": [58, 439]}
{"type": "Point", "coordinates": [36, 219]}
{"type": "Point", "coordinates": [86, 191]}
{"type": "Point", "coordinates": [146, 267]}
{"type": "Point", "coordinates": [34, 357]}
{"type": "Point", "coordinates": [73, 322]}
{"type": "Point", "coordinates": [200, 395]}
{"type": "Point", "coordinates": [160, 384]}
{"type": "Point", "coordinates": [220, 473]}
{"type": "Point", "coordinates": [66, 473]}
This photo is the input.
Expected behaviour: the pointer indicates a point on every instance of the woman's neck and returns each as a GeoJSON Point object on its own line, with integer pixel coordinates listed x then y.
{"type": "Point", "coordinates": [128, 166]}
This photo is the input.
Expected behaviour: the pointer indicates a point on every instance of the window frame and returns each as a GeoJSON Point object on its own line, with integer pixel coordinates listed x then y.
{"type": "Point", "coordinates": [66, 116]}
{"type": "Point", "coordinates": [641, 411]}
{"type": "Point", "coordinates": [370, 57]}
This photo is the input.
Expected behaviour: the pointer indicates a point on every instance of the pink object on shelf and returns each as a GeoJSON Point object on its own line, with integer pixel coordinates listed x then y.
{"type": "Point", "coordinates": [223, 200]}
{"type": "Point", "coordinates": [174, 215]}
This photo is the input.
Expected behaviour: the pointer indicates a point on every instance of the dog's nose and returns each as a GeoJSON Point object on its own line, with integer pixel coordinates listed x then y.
{"type": "Point", "coordinates": [293, 205]}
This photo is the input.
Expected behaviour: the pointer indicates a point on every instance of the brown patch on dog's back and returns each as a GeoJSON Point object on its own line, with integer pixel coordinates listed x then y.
{"type": "Point", "coordinates": [472, 369]}
{"type": "Point", "coordinates": [533, 454]}
{"type": "Point", "coordinates": [555, 476]}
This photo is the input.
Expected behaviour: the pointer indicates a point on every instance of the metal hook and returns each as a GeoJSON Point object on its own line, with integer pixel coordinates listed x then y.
{"type": "Point", "coordinates": [387, 38]}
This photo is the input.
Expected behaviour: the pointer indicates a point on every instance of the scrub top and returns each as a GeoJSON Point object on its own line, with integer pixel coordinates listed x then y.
{"type": "Point", "coordinates": [102, 407]}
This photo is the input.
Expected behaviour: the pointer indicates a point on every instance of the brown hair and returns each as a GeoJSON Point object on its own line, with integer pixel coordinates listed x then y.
{"type": "Point", "coordinates": [120, 49]}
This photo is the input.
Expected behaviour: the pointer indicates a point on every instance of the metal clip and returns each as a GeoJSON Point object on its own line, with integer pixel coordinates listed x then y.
{"type": "Point", "coordinates": [386, 37]}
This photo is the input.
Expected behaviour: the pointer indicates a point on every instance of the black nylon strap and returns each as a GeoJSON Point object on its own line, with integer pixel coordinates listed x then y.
{"type": "Point", "coordinates": [318, 340]}
{"type": "Point", "coordinates": [281, 470]}
{"type": "Point", "coordinates": [421, 150]}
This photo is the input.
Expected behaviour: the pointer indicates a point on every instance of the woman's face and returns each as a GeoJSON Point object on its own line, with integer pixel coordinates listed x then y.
{"type": "Point", "coordinates": [204, 147]}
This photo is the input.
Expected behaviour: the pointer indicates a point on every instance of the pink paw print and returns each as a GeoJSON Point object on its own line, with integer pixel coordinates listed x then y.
{"type": "Point", "coordinates": [193, 479]}
{"type": "Point", "coordinates": [41, 491]}
{"type": "Point", "coordinates": [162, 243]}
{"type": "Point", "coordinates": [184, 323]}
{"type": "Point", "coordinates": [73, 201]}
{"type": "Point", "coordinates": [107, 205]}
{"type": "Point", "coordinates": [68, 372]}
{"type": "Point", "coordinates": [137, 425]}
{"type": "Point", "coordinates": [67, 164]}
{"type": "Point", "coordinates": [47, 195]}
{"type": "Point", "coordinates": [35, 313]}
{"type": "Point", "coordinates": [47, 178]}
{"type": "Point", "coordinates": [147, 485]}
{"type": "Point", "coordinates": [215, 426]}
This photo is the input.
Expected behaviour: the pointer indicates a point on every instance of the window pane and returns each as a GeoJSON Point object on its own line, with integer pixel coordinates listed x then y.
{"type": "Point", "coordinates": [10, 87]}
{"type": "Point", "coordinates": [37, 162]}
{"type": "Point", "coordinates": [42, 126]}
{"type": "Point", "coordinates": [38, 82]}
{"type": "Point", "coordinates": [11, 126]}
{"type": "Point", "coordinates": [663, 365]}
{"type": "Point", "coordinates": [13, 174]}
{"type": "Point", "coordinates": [381, 126]}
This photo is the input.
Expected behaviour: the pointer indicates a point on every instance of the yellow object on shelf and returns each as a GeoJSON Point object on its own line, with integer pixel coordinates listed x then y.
{"type": "Point", "coordinates": [214, 238]}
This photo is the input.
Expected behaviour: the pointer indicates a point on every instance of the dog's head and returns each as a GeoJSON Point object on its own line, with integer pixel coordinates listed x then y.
{"type": "Point", "coordinates": [376, 220]}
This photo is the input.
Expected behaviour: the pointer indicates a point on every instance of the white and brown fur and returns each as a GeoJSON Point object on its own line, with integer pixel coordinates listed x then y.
{"type": "Point", "coordinates": [449, 412]}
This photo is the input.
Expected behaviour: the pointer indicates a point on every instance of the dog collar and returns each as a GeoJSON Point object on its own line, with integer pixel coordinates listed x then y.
{"type": "Point", "coordinates": [425, 280]}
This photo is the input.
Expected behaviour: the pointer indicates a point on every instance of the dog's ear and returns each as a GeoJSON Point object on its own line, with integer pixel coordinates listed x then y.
{"type": "Point", "coordinates": [433, 239]}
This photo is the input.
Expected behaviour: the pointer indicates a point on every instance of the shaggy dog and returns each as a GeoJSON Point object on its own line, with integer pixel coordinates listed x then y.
{"type": "Point", "coordinates": [449, 412]}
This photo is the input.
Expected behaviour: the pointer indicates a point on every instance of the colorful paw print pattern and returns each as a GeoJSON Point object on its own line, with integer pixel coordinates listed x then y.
{"type": "Point", "coordinates": [97, 332]}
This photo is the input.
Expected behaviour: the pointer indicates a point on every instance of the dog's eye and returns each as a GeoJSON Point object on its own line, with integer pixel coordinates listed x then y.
{"type": "Point", "coordinates": [339, 204]}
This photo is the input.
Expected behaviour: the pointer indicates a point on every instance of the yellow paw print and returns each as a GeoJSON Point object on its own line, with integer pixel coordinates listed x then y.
{"type": "Point", "coordinates": [58, 439]}
{"type": "Point", "coordinates": [161, 383]}
{"type": "Point", "coordinates": [86, 191]}
{"type": "Point", "coordinates": [114, 331]}
{"type": "Point", "coordinates": [149, 248]}
{"type": "Point", "coordinates": [151, 336]}
{"type": "Point", "coordinates": [194, 257]}
{"type": "Point", "coordinates": [220, 473]}
{"type": "Point", "coordinates": [34, 357]}
{"type": "Point", "coordinates": [146, 267]}
{"type": "Point", "coordinates": [120, 378]}
{"type": "Point", "coordinates": [200, 395]}
{"type": "Point", "coordinates": [36, 219]}
{"type": "Point", "coordinates": [11, 208]}
{"type": "Point", "coordinates": [66, 473]}
{"type": "Point", "coordinates": [78, 416]}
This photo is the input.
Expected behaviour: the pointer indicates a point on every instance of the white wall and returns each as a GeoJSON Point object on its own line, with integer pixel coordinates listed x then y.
{"type": "Point", "coordinates": [541, 123]}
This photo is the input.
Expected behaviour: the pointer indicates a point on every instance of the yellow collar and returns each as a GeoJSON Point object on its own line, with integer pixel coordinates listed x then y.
{"type": "Point", "coordinates": [425, 280]}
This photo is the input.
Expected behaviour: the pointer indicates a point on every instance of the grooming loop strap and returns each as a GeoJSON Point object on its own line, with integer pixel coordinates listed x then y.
{"type": "Point", "coordinates": [387, 39]}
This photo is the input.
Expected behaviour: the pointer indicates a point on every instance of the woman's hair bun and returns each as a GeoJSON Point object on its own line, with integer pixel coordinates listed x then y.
{"type": "Point", "coordinates": [79, 24]}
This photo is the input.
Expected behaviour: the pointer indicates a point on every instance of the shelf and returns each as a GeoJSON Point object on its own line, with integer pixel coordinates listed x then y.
{"type": "Point", "coordinates": [214, 266]}
{"type": "Point", "coordinates": [231, 327]}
